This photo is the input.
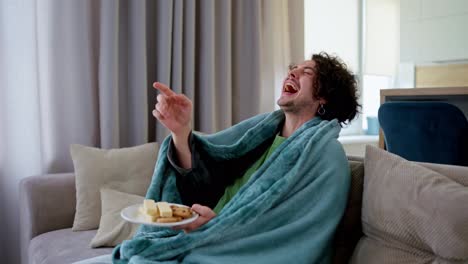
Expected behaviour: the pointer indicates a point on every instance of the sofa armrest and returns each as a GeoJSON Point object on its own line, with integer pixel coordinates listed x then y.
{"type": "Point", "coordinates": [47, 202]}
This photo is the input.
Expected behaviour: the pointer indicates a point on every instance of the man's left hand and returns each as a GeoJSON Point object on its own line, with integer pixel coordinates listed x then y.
{"type": "Point", "coordinates": [206, 214]}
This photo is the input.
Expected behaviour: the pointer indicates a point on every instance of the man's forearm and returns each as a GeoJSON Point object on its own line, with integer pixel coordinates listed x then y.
{"type": "Point", "coordinates": [183, 153]}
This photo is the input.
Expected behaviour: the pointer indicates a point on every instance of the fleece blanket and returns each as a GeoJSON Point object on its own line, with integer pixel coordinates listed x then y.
{"type": "Point", "coordinates": [287, 212]}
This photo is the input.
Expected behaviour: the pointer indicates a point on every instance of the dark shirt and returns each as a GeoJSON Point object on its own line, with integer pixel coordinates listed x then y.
{"type": "Point", "coordinates": [207, 180]}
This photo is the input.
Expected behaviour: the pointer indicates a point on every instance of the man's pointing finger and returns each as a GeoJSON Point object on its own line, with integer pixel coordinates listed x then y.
{"type": "Point", "coordinates": [163, 88]}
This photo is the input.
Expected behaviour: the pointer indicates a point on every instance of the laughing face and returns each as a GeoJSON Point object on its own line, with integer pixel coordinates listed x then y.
{"type": "Point", "coordinates": [297, 95]}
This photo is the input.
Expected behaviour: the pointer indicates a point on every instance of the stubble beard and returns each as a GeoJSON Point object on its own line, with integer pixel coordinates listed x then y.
{"type": "Point", "coordinates": [288, 107]}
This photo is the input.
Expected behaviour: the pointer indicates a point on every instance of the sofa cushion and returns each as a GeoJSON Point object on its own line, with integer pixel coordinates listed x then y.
{"type": "Point", "coordinates": [127, 170]}
{"type": "Point", "coordinates": [412, 214]}
{"type": "Point", "coordinates": [63, 246]}
{"type": "Point", "coordinates": [349, 230]}
{"type": "Point", "coordinates": [113, 229]}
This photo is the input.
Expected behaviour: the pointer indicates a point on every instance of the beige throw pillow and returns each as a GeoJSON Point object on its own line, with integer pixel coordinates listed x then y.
{"type": "Point", "coordinates": [113, 229]}
{"type": "Point", "coordinates": [127, 170]}
{"type": "Point", "coordinates": [412, 214]}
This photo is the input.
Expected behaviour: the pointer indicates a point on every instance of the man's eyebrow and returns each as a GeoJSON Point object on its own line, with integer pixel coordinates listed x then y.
{"type": "Point", "coordinates": [308, 68]}
{"type": "Point", "coordinates": [292, 66]}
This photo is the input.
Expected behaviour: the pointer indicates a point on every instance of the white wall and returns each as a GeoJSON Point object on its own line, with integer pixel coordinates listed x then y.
{"type": "Point", "coordinates": [434, 30]}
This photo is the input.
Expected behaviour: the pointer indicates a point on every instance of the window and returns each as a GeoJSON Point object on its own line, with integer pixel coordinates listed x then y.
{"type": "Point", "coordinates": [381, 53]}
{"type": "Point", "coordinates": [365, 35]}
{"type": "Point", "coordinates": [371, 95]}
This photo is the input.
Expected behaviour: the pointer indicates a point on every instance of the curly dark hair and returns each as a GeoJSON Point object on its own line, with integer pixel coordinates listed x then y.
{"type": "Point", "coordinates": [335, 83]}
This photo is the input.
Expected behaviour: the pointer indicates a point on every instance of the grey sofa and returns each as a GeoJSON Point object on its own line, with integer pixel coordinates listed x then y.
{"type": "Point", "coordinates": [47, 209]}
{"type": "Point", "coordinates": [47, 205]}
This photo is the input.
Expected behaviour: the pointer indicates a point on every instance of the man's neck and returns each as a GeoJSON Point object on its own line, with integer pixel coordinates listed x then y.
{"type": "Point", "coordinates": [293, 122]}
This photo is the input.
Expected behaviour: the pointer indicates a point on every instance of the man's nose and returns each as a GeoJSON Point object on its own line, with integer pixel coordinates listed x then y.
{"type": "Point", "coordinates": [294, 73]}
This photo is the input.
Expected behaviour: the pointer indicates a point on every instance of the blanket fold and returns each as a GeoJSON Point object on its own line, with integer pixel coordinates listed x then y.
{"type": "Point", "coordinates": [291, 204]}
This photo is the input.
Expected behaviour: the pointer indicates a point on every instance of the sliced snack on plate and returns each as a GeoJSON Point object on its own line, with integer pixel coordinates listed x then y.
{"type": "Point", "coordinates": [163, 212]}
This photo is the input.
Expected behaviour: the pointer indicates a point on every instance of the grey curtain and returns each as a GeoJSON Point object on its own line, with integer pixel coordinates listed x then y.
{"type": "Point", "coordinates": [210, 51]}
{"type": "Point", "coordinates": [72, 72]}
{"type": "Point", "coordinates": [82, 72]}
{"type": "Point", "coordinates": [228, 56]}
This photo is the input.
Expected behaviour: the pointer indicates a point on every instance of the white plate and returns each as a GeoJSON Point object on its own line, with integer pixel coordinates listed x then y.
{"type": "Point", "coordinates": [133, 215]}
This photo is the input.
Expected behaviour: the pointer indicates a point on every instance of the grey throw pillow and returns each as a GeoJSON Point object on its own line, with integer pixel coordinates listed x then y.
{"type": "Point", "coordinates": [412, 214]}
{"type": "Point", "coordinates": [127, 170]}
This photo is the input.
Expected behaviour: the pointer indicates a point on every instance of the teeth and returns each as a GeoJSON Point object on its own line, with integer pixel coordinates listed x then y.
{"type": "Point", "coordinates": [290, 88]}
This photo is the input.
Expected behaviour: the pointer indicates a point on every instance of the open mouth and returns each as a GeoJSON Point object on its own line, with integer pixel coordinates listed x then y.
{"type": "Point", "coordinates": [290, 87]}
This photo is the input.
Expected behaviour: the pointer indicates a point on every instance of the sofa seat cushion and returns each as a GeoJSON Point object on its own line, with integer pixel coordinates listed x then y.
{"type": "Point", "coordinates": [63, 246]}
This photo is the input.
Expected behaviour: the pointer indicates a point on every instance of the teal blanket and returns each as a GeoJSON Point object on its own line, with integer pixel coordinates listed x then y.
{"type": "Point", "coordinates": [287, 212]}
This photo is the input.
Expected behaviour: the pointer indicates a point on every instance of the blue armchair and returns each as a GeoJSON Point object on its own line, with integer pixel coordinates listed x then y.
{"type": "Point", "coordinates": [433, 132]}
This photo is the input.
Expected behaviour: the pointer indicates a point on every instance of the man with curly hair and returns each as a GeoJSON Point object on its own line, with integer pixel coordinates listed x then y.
{"type": "Point", "coordinates": [272, 184]}
{"type": "Point", "coordinates": [321, 87]}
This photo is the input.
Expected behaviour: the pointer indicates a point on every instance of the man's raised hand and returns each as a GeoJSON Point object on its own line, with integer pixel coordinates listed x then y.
{"type": "Point", "coordinates": [173, 110]}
